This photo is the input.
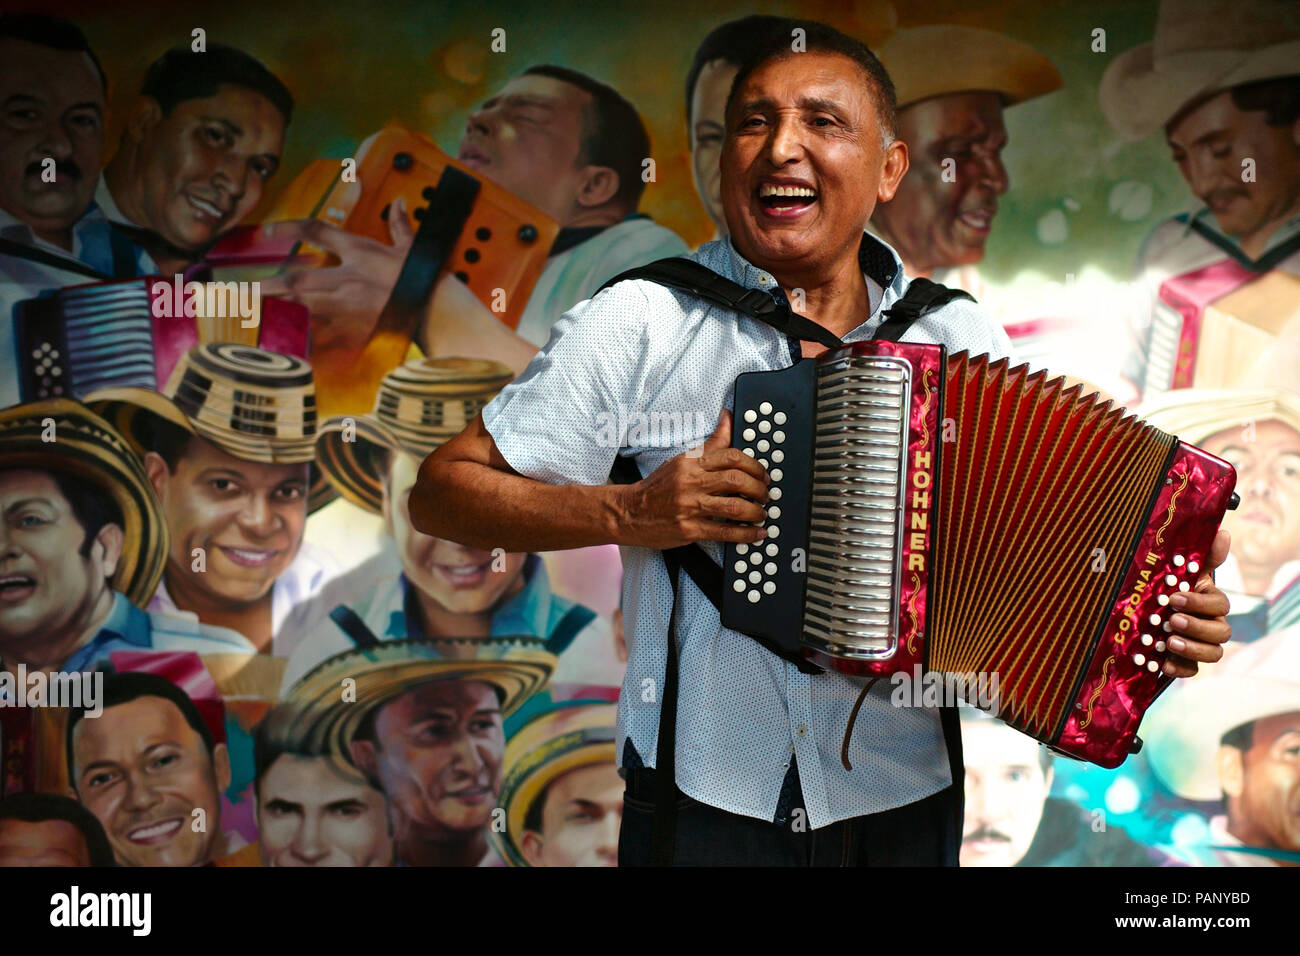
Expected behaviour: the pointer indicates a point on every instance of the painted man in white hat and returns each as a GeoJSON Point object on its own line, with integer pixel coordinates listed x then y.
{"type": "Point", "coordinates": [420, 586]}
{"type": "Point", "coordinates": [1221, 81]}
{"type": "Point", "coordinates": [1233, 735]}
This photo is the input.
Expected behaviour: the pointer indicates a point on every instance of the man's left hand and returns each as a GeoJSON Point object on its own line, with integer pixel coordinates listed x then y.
{"type": "Point", "coordinates": [1200, 628]}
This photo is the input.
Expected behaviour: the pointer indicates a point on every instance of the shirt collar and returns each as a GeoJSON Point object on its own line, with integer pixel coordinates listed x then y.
{"type": "Point", "coordinates": [525, 613]}
{"type": "Point", "coordinates": [876, 258]}
{"type": "Point", "coordinates": [1203, 217]}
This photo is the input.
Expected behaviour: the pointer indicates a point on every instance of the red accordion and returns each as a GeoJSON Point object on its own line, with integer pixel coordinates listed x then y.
{"type": "Point", "coordinates": [956, 515]}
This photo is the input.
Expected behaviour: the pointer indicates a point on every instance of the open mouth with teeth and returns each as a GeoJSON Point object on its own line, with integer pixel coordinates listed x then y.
{"type": "Point", "coordinates": [781, 200]}
{"type": "Point", "coordinates": [206, 210]}
{"type": "Point", "coordinates": [154, 833]}
{"type": "Point", "coordinates": [16, 587]}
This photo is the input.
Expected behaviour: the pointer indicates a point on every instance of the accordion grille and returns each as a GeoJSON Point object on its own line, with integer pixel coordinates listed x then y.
{"type": "Point", "coordinates": [110, 336]}
{"type": "Point", "coordinates": [1041, 495]}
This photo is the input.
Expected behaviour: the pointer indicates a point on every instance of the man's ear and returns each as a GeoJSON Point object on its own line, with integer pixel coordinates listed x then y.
{"type": "Point", "coordinates": [221, 764]}
{"type": "Point", "coordinates": [600, 184]}
{"type": "Point", "coordinates": [157, 472]}
{"type": "Point", "coordinates": [1230, 764]}
{"type": "Point", "coordinates": [895, 165]}
{"type": "Point", "coordinates": [110, 540]}
{"type": "Point", "coordinates": [146, 113]}
{"type": "Point", "coordinates": [530, 845]}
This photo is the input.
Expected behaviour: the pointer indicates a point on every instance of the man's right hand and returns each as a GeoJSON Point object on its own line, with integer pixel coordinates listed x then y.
{"type": "Point", "coordinates": [696, 497]}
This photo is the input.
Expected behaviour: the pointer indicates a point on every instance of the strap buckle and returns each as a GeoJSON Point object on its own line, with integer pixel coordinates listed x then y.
{"type": "Point", "coordinates": [757, 302]}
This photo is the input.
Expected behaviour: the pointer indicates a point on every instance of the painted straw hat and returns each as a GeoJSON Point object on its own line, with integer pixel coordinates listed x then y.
{"type": "Point", "coordinates": [568, 736]}
{"type": "Point", "coordinates": [86, 447]}
{"type": "Point", "coordinates": [1200, 48]}
{"type": "Point", "coordinates": [420, 405]}
{"type": "Point", "coordinates": [253, 404]}
{"type": "Point", "coordinates": [1196, 414]}
{"type": "Point", "coordinates": [935, 60]}
{"type": "Point", "coordinates": [313, 714]}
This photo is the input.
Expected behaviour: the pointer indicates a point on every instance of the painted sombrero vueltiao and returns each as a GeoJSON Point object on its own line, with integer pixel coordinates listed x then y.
{"type": "Point", "coordinates": [314, 717]}
{"type": "Point", "coordinates": [570, 735]}
{"type": "Point", "coordinates": [419, 406]}
{"type": "Point", "coordinates": [253, 404]}
{"type": "Point", "coordinates": [88, 448]}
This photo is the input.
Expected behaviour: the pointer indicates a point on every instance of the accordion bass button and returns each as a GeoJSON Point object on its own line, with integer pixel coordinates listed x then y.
{"type": "Point", "coordinates": [749, 452]}
{"type": "Point", "coordinates": [777, 474]}
{"type": "Point", "coordinates": [769, 569]}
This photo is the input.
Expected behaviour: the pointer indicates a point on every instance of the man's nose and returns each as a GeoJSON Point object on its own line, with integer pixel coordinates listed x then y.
{"type": "Point", "coordinates": [993, 174]}
{"type": "Point", "coordinates": [139, 794]}
{"type": "Point", "coordinates": [1204, 174]}
{"type": "Point", "coordinates": [55, 141]}
{"type": "Point", "coordinates": [257, 516]}
{"type": "Point", "coordinates": [785, 142]}
{"type": "Point", "coordinates": [308, 842]}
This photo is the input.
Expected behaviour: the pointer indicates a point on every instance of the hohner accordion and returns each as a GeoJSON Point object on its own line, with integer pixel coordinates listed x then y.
{"type": "Point", "coordinates": [968, 517]}
{"type": "Point", "coordinates": [85, 338]}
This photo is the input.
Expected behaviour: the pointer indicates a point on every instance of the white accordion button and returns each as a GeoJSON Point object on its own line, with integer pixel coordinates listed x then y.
{"type": "Point", "coordinates": [1167, 627]}
{"type": "Point", "coordinates": [1162, 599]}
{"type": "Point", "coordinates": [779, 418]}
{"type": "Point", "coordinates": [738, 585]}
{"type": "Point", "coordinates": [1152, 666]}
{"type": "Point", "coordinates": [1155, 618]}
{"type": "Point", "coordinates": [753, 597]}
{"type": "Point", "coordinates": [765, 408]}
{"type": "Point", "coordinates": [747, 434]}
{"type": "Point", "coordinates": [765, 426]}
{"type": "Point", "coordinates": [773, 531]}
{"type": "Point", "coordinates": [769, 587]}
{"type": "Point", "coordinates": [750, 415]}
{"type": "Point", "coordinates": [1184, 586]}
{"type": "Point", "coordinates": [774, 494]}
{"type": "Point", "coordinates": [1146, 638]}
{"type": "Point", "coordinates": [755, 558]}
{"type": "Point", "coordinates": [1193, 567]}
{"type": "Point", "coordinates": [769, 568]}
{"type": "Point", "coordinates": [771, 550]}
{"type": "Point", "coordinates": [778, 456]}
{"type": "Point", "coordinates": [763, 444]}
{"type": "Point", "coordinates": [774, 512]}
{"type": "Point", "coordinates": [778, 436]}
{"type": "Point", "coordinates": [742, 548]}
{"type": "Point", "coordinates": [740, 567]}
{"type": "Point", "coordinates": [749, 452]}
{"type": "Point", "coordinates": [1179, 560]}
{"type": "Point", "coordinates": [1160, 647]}
{"type": "Point", "coordinates": [777, 474]}
{"type": "Point", "coordinates": [1139, 659]}
{"type": "Point", "coordinates": [755, 577]}
{"type": "Point", "coordinates": [1171, 580]}
{"type": "Point", "coordinates": [763, 462]}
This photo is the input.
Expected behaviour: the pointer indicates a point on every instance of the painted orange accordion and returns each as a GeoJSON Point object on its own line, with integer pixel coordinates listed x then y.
{"type": "Point", "coordinates": [951, 514]}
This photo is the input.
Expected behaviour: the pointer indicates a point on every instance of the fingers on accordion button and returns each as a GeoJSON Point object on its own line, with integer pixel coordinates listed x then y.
{"type": "Point", "coordinates": [738, 585]}
{"type": "Point", "coordinates": [778, 456]}
{"type": "Point", "coordinates": [1166, 627]}
{"type": "Point", "coordinates": [765, 408]}
{"type": "Point", "coordinates": [763, 462]}
{"type": "Point", "coordinates": [749, 452]}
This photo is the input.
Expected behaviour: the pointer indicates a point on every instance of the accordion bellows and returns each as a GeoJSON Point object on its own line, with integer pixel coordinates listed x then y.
{"type": "Point", "coordinates": [973, 518]}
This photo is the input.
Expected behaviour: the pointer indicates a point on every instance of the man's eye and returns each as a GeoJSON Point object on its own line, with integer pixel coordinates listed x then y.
{"type": "Point", "coordinates": [709, 139]}
{"type": "Point", "coordinates": [1221, 153]}
{"type": "Point", "coordinates": [290, 492]}
{"type": "Point", "coordinates": [349, 812]}
{"type": "Point", "coordinates": [264, 170]}
{"type": "Point", "coordinates": [31, 521]}
{"type": "Point", "coordinates": [222, 485]}
{"type": "Point", "coordinates": [165, 761]}
{"type": "Point", "coordinates": [24, 115]}
{"type": "Point", "coordinates": [216, 136]}
{"type": "Point", "coordinates": [100, 779]}
{"type": "Point", "coordinates": [86, 121]}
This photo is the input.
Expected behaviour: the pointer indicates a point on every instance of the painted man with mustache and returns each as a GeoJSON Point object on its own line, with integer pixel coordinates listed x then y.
{"type": "Point", "coordinates": [52, 233]}
{"type": "Point", "coordinates": [201, 141]}
{"type": "Point", "coordinates": [1224, 89]}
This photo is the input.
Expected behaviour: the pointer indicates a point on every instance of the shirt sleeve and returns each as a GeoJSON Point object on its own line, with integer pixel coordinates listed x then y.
{"type": "Point", "coordinates": [559, 422]}
{"type": "Point", "coordinates": [963, 326]}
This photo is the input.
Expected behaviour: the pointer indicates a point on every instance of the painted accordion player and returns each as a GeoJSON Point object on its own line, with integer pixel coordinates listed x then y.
{"type": "Point", "coordinates": [965, 516]}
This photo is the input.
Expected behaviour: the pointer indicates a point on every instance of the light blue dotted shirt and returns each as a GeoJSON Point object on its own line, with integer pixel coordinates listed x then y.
{"type": "Point", "coordinates": [662, 363]}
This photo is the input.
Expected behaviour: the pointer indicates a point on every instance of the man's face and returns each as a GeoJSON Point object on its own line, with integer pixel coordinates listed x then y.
{"type": "Point", "coordinates": [203, 166]}
{"type": "Point", "coordinates": [1006, 788]}
{"type": "Point", "coordinates": [53, 106]}
{"type": "Point", "coordinates": [528, 139]}
{"type": "Point", "coordinates": [708, 127]}
{"type": "Point", "coordinates": [1270, 795]}
{"type": "Point", "coordinates": [1210, 144]}
{"type": "Point", "coordinates": [1265, 527]}
{"type": "Point", "coordinates": [461, 580]}
{"type": "Point", "coordinates": [46, 587]}
{"type": "Point", "coordinates": [580, 821]}
{"type": "Point", "coordinates": [309, 814]}
{"type": "Point", "coordinates": [143, 771]}
{"type": "Point", "coordinates": [248, 518]}
{"type": "Point", "coordinates": [47, 843]}
{"type": "Point", "coordinates": [943, 211]}
{"type": "Point", "coordinates": [437, 755]}
{"type": "Point", "coordinates": [806, 122]}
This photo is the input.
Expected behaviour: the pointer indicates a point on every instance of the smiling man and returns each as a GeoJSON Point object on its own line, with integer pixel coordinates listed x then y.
{"type": "Point", "coordinates": [201, 141]}
{"type": "Point", "coordinates": [145, 767]}
{"type": "Point", "coordinates": [810, 149]}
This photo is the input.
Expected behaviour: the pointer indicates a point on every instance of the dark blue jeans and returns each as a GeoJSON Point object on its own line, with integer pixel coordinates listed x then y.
{"type": "Point", "coordinates": [924, 833]}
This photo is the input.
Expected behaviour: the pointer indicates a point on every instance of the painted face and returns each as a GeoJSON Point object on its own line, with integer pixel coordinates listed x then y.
{"type": "Point", "coordinates": [204, 166]}
{"type": "Point", "coordinates": [143, 771]}
{"type": "Point", "coordinates": [528, 139]}
{"type": "Point", "coordinates": [247, 517]}
{"type": "Point", "coordinates": [47, 843]}
{"type": "Point", "coordinates": [437, 755]}
{"type": "Point", "coordinates": [943, 211]}
{"type": "Point", "coordinates": [1270, 795]}
{"type": "Point", "coordinates": [808, 124]}
{"type": "Point", "coordinates": [1210, 145]}
{"type": "Point", "coordinates": [461, 580]}
{"type": "Point", "coordinates": [580, 821]}
{"type": "Point", "coordinates": [1006, 789]}
{"type": "Point", "coordinates": [708, 127]}
{"type": "Point", "coordinates": [51, 105]}
{"type": "Point", "coordinates": [1265, 528]}
{"type": "Point", "coordinates": [310, 814]}
{"type": "Point", "coordinates": [46, 587]}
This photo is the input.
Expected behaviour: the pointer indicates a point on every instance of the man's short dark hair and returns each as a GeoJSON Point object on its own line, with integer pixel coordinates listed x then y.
{"type": "Point", "coordinates": [821, 38]}
{"type": "Point", "coordinates": [612, 132]}
{"type": "Point", "coordinates": [1278, 98]}
{"type": "Point", "coordinates": [126, 686]}
{"type": "Point", "coordinates": [181, 74]}
{"type": "Point", "coordinates": [52, 32]}
{"type": "Point", "coordinates": [166, 439]}
{"type": "Point", "coordinates": [1240, 738]}
{"type": "Point", "coordinates": [91, 505]}
{"type": "Point", "coordinates": [43, 807]}
{"type": "Point", "coordinates": [533, 818]}
{"type": "Point", "coordinates": [734, 42]}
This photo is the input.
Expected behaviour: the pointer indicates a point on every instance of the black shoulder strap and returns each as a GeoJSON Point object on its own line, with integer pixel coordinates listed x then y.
{"type": "Point", "coordinates": [922, 297]}
{"type": "Point", "coordinates": [355, 628]}
{"type": "Point", "coordinates": [562, 636]}
{"type": "Point", "coordinates": [32, 254]}
{"type": "Point", "coordinates": [688, 276]}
